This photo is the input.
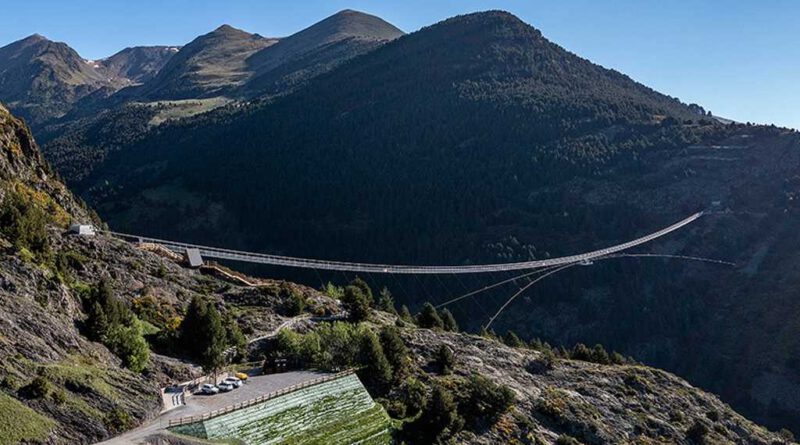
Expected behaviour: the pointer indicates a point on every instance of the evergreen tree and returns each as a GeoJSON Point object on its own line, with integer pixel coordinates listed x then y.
{"type": "Point", "coordinates": [365, 289]}
{"type": "Point", "coordinates": [512, 340]}
{"type": "Point", "coordinates": [439, 420]}
{"type": "Point", "coordinates": [191, 328]}
{"type": "Point", "coordinates": [386, 302]}
{"type": "Point", "coordinates": [377, 370]}
{"type": "Point", "coordinates": [213, 340]}
{"type": "Point", "coordinates": [448, 321]}
{"type": "Point", "coordinates": [599, 355]}
{"type": "Point", "coordinates": [581, 352]}
{"type": "Point", "coordinates": [395, 350]}
{"type": "Point", "coordinates": [429, 317]}
{"type": "Point", "coordinates": [96, 322]}
{"type": "Point", "coordinates": [445, 360]}
{"type": "Point", "coordinates": [405, 314]}
{"type": "Point", "coordinates": [294, 303]}
{"type": "Point", "coordinates": [356, 304]}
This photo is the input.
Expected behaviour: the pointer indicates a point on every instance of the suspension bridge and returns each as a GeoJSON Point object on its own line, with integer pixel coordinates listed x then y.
{"type": "Point", "coordinates": [544, 268]}
{"type": "Point", "coordinates": [344, 266]}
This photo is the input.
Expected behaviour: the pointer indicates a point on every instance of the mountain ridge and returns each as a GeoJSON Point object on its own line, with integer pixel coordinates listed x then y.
{"type": "Point", "coordinates": [477, 139]}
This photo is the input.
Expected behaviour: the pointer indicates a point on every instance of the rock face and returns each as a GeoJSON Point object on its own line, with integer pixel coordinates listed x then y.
{"type": "Point", "coordinates": [596, 404]}
{"type": "Point", "coordinates": [78, 388]}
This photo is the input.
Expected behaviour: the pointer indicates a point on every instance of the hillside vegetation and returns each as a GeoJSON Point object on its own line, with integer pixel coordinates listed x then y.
{"type": "Point", "coordinates": [74, 309]}
{"type": "Point", "coordinates": [477, 139]}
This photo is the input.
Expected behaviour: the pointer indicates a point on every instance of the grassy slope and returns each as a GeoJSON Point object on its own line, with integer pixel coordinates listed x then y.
{"type": "Point", "coordinates": [36, 427]}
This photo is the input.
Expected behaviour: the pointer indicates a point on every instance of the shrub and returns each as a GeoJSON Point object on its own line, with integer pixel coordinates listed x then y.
{"type": "Point", "coordinates": [697, 433]}
{"type": "Point", "coordinates": [335, 292]}
{"type": "Point", "coordinates": [395, 408]}
{"type": "Point", "coordinates": [786, 435]}
{"type": "Point", "coordinates": [439, 419]}
{"type": "Point", "coordinates": [485, 402]}
{"type": "Point", "coordinates": [24, 224]}
{"type": "Point", "coordinates": [38, 388]}
{"type": "Point", "coordinates": [117, 421]}
{"type": "Point", "coordinates": [405, 314]}
{"type": "Point", "coordinates": [540, 365]}
{"type": "Point", "coordinates": [294, 302]}
{"type": "Point", "coordinates": [129, 345]}
{"type": "Point", "coordinates": [414, 394]}
{"type": "Point", "coordinates": [567, 440]}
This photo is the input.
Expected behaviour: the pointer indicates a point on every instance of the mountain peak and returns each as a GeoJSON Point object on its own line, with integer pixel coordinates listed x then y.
{"type": "Point", "coordinates": [226, 29]}
{"type": "Point", "coordinates": [35, 38]}
{"type": "Point", "coordinates": [352, 23]}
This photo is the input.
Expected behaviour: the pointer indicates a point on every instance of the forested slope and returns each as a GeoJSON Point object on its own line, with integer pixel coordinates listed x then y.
{"type": "Point", "coordinates": [476, 139]}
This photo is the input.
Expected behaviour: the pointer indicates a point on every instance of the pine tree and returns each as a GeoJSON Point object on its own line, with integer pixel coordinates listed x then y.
{"type": "Point", "coordinates": [405, 314]}
{"type": "Point", "coordinates": [512, 340]}
{"type": "Point", "coordinates": [395, 350]}
{"type": "Point", "coordinates": [429, 317]}
{"type": "Point", "coordinates": [365, 289]}
{"type": "Point", "coordinates": [439, 420]}
{"type": "Point", "coordinates": [448, 321]}
{"type": "Point", "coordinates": [581, 352]}
{"type": "Point", "coordinates": [213, 339]}
{"type": "Point", "coordinates": [96, 322]}
{"type": "Point", "coordinates": [378, 371]}
{"type": "Point", "coordinates": [599, 355]}
{"type": "Point", "coordinates": [386, 302]}
{"type": "Point", "coordinates": [356, 304]}
{"type": "Point", "coordinates": [191, 328]}
{"type": "Point", "coordinates": [445, 360]}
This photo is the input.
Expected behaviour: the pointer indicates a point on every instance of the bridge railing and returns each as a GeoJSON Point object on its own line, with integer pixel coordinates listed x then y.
{"type": "Point", "coordinates": [278, 260]}
{"type": "Point", "coordinates": [257, 400]}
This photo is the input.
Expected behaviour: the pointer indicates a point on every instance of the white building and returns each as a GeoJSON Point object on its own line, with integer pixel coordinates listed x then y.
{"type": "Point", "coordinates": [82, 229]}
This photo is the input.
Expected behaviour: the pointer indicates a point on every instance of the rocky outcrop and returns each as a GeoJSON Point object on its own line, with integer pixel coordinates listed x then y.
{"type": "Point", "coordinates": [596, 404]}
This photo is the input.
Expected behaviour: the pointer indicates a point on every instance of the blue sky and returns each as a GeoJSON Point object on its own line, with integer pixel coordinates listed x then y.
{"type": "Point", "coordinates": [738, 58]}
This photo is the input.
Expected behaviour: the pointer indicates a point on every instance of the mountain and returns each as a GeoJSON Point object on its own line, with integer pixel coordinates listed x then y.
{"type": "Point", "coordinates": [41, 79]}
{"type": "Point", "coordinates": [317, 49]}
{"type": "Point", "coordinates": [59, 386]}
{"type": "Point", "coordinates": [137, 64]}
{"type": "Point", "coordinates": [210, 65]}
{"type": "Point", "coordinates": [477, 140]}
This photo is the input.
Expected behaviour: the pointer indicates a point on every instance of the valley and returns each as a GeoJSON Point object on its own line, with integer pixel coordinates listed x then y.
{"type": "Point", "coordinates": [472, 141]}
